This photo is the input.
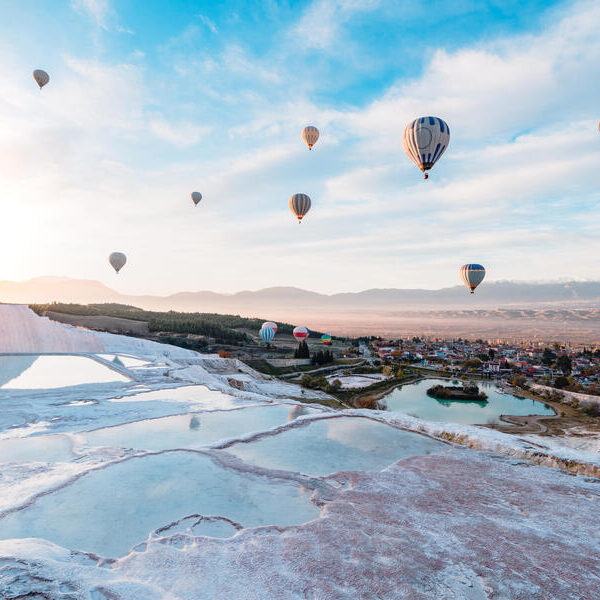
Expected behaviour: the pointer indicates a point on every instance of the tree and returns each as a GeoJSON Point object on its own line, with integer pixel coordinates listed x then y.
{"type": "Point", "coordinates": [548, 357]}
{"type": "Point", "coordinates": [491, 353]}
{"type": "Point", "coordinates": [518, 380]}
{"type": "Point", "coordinates": [561, 382]}
{"type": "Point", "coordinates": [564, 364]}
{"type": "Point", "coordinates": [306, 380]}
{"type": "Point", "coordinates": [302, 351]}
{"type": "Point", "coordinates": [473, 363]}
{"type": "Point", "coordinates": [400, 373]}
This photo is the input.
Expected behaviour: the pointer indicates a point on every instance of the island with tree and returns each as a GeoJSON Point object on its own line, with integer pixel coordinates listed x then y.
{"type": "Point", "coordinates": [448, 392]}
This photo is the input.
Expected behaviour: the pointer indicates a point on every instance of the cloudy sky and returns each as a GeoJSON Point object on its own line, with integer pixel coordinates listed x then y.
{"type": "Point", "coordinates": [150, 100]}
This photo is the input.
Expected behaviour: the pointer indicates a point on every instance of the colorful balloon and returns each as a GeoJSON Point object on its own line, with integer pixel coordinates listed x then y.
{"type": "Point", "coordinates": [472, 275]}
{"type": "Point", "coordinates": [117, 261]}
{"type": "Point", "coordinates": [267, 334]}
{"type": "Point", "coordinates": [41, 77]}
{"type": "Point", "coordinates": [425, 140]}
{"type": "Point", "coordinates": [196, 197]}
{"type": "Point", "coordinates": [270, 324]}
{"type": "Point", "coordinates": [326, 339]}
{"type": "Point", "coordinates": [310, 135]}
{"type": "Point", "coordinates": [301, 333]}
{"type": "Point", "coordinates": [299, 205]}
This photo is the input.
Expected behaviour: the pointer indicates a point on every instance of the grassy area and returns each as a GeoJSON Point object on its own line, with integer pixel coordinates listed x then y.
{"type": "Point", "coordinates": [225, 329]}
{"type": "Point", "coordinates": [367, 397]}
{"type": "Point", "coordinates": [264, 366]}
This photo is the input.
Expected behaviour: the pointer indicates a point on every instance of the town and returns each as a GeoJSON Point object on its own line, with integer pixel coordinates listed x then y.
{"type": "Point", "coordinates": [575, 369]}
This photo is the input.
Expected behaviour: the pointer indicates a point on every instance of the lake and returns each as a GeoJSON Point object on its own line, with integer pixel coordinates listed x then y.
{"type": "Point", "coordinates": [412, 399]}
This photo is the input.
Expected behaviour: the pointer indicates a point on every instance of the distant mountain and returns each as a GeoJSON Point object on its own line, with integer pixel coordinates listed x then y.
{"type": "Point", "coordinates": [506, 310]}
{"type": "Point", "coordinates": [263, 302]}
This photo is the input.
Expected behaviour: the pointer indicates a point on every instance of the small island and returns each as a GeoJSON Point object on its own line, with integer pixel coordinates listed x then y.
{"type": "Point", "coordinates": [469, 393]}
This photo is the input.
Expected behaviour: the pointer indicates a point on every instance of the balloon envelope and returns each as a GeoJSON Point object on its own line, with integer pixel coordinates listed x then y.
{"type": "Point", "coordinates": [267, 334]}
{"type": "Point", "coordinates": [270, 324]}
{"type": "Point", "coordinates": [301, 333]}
{"type": "Point", "coordinates": [196, 197]}
{"type": "Point", "coordinates": [326, 339]}
{"type": "Point", "coordinates": [425, 140]}
{"type": "Point", "coordinates": [299, 205]}
{"type": "Point", "coordinates": [472, 275]}
{"type": "Point", "coordinates": [117, 260]}
{"type": "Point", "coordinates": [310, 134]}
{"type": "Point", "coordinates": [41, 77]}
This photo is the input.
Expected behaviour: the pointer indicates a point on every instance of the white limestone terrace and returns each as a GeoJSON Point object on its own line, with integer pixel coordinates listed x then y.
{"type": "Point", "coordinates": [198, 478]}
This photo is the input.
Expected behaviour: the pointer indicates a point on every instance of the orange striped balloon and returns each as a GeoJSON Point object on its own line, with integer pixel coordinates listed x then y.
{"type": "Point", "coordinates": [310, 134]}
{"type": "Point", "coordinates": [299, 205]}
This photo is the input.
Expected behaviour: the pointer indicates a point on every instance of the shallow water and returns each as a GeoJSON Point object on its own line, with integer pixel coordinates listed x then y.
{"type": "Point", "coordinates": [413, 399]}
{"type": "Point", "coordinates": [108, 511]}
{"type": "Point", "coordinates": [28, 372]}
{"type": "Point", "coordinates": [47, 448]}
{"type": "Point", "coordinates": [339, 444]}
{"type": "Point", "coordinates": [195, 429]}
{"type": "Point", "coordinates": [124, 360]}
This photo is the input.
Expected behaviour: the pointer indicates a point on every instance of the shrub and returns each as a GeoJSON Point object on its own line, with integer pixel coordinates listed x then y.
{"type": "Point", "coordinates": [368, 402]}
{"type": "Point", "coordinates": [306, 381]}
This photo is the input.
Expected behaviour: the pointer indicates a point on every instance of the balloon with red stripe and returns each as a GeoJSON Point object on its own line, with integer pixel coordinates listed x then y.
{"type": "Point", "coordinates": [301, 333]}
{"type": "Point", "coordinates": [270, 324]}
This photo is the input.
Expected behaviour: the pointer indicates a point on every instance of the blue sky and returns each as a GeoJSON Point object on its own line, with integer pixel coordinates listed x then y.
{"type": "Point", "coordinates": [151, 100]}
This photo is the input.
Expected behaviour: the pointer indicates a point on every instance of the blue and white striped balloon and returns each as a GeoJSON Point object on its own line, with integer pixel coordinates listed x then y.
{"type": "Point", "coordinates": [425, 140]}
{"type": "Point", "coordinates": [472, 275]}
{"type": "Point", "coordinates": [267, 334]}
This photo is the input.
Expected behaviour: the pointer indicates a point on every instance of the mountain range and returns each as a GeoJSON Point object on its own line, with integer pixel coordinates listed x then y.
{"type": "Point", "coordinates": [495, 294]}
{"type": "Point", "coordinates": [506, 310]}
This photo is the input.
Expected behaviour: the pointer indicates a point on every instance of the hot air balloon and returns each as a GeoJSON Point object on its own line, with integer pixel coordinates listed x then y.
{"type": "Point", "coordinates": [270, 324]}
{"type": "Point", "coordinates": [117, 261]}
{"type": "Point", "coordinates": [326, 339]}
{"type": "Point", "coordinates": [310, 135]}
{"type": "Point", "coordinates": [267, 334]}
{"type": "Point", "coordinates": [196, 197]}
{"type": "Point", "coordinates": [425, 140]}
{"type": "Point", "coordinates": [41, 77]}
{"type": "Point", "coordinates": [299, 205]}
{"type": "Point", "coordinates": [300, 333]}
{"type": "Point", "coordinates": [472, 275]}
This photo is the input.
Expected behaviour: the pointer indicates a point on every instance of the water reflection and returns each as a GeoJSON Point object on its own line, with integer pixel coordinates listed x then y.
{"type": "Point", "coordinates": [413, 399]}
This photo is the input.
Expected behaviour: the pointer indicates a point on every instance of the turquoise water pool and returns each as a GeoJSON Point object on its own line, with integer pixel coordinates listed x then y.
{"type": "Point", "coordinates": [109, 510]}
{"type": "Point", "coordinates": [47, 371]}
{"type": "Point", "coordinates": [195, 429]}
{"type": "Point", "coordinates": [412, 399]}
{"type": "Point", "coordinates": [339, 444]}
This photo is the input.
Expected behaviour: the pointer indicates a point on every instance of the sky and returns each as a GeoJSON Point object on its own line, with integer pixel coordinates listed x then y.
{"type": "Point", "coordinates": [150, 100]}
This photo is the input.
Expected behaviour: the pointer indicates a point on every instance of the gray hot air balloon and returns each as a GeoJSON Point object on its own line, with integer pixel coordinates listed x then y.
{"type": "Point", "coordinates": [196, 197]}
{"type": "Point", "coordinates": [299, 205]}
{"type": "Point", "coordinates": [117, 261]}
{"type": "Point", "coordinates": [41, 77]}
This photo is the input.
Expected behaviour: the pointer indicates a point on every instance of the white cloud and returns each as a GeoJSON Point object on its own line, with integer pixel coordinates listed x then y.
{"type": "Point", "coordinates": [99, 10]}
{"type": "Point", "coordinates": [209, 24]}
{"type": "Point", "coordinates": [320, 24]}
